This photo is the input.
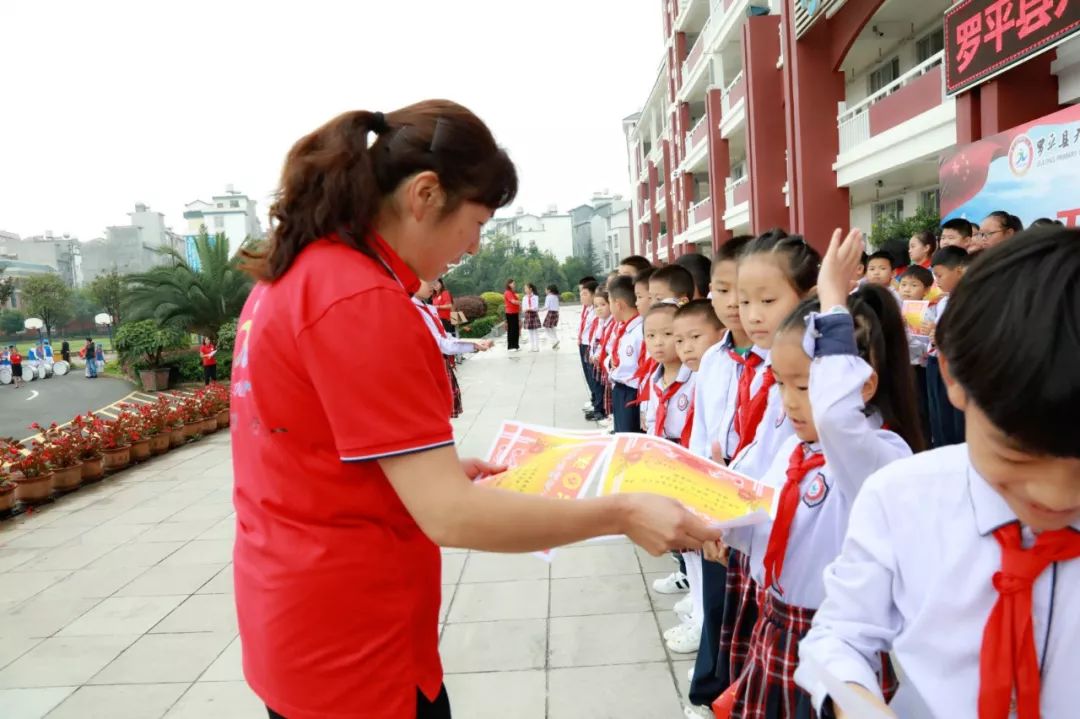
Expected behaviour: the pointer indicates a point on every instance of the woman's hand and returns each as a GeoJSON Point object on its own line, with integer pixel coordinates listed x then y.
{"type": "Point", "coordinates": [484, 345]}
{"type": "Point", "coordinates": [715, 552]}
{"type": "Point", "coordinates": [661, 524]}
{"type": "Point", "coordinates": [868, 696]}
{"type": "Point", "coordinates": [841, 260]}
{"type": "Point", "coordinates": [479, 469]}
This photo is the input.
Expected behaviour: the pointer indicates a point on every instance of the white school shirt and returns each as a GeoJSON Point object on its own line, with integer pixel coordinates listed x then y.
{"type": "Point", "coordinates": [597, 337]}
{"type": "Point", "coordinates": [530, 303]}
{"type": "Point", "coordinates": [583, 330]}
{"type": "Point", "coordinates": [915, 577]}
{"type": "Point", "coordinates": [629, 349]}
{"type": "Point", "coordinates": [775, 429]}
{"type": "Point", "coordinates": [855, 446]}
{"type": "Point", "coordinates": [551, 303]}
{"type": "Point", "coordinates": [447, 344]}
{"type": "Point", "coordinates": [714, 398]}
{"type": "Point", "coordinates": [934, 313]}
{"type": "Point", "coordinates": [678, 411]}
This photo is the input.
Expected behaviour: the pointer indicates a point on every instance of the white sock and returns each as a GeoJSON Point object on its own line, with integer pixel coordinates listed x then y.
{"type": "Point", "coordinates": [694, 578]}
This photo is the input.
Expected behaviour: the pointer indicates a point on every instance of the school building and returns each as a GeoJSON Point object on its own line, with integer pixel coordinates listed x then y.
{"type": "Point", "coordinates": [806, 114]}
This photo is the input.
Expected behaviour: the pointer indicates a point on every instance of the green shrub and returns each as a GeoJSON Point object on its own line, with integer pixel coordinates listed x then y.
{"type": "Point", "coordinates": [569, 297]}
{"type": "Point", "coordinates": [890, 233]}
{"type": "Point", "coordinates": [495, 303]}
{"type": "Point", "coordinates": [145, 342]}
{"type": "Point", "coordinates": [480, 328]}
{"type": "Point", "coordinates": [186, 365]}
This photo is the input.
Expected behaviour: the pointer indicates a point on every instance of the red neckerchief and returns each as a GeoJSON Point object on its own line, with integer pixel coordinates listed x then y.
{"type": "Point", "coordinates": [799, 465]}
{"type": "Point", "coordinates": [604, 341]}
{"type": "Point", "coordinates": [393, 262]}
{"type": "Point", "coordinates": [592, 329]}
{"type": "Point", "coordinates": [1007, 659]}
{"type": "Point", "coordinates": [581, 327]}
{"type": "Point", "coordinates": [426, 312]}
{"type": "Point", "coordinates": [749, 410]}
{"type": "Point", "coordinates": [615, 359]}
{"type": "Point", "coordinates": [663, 398]}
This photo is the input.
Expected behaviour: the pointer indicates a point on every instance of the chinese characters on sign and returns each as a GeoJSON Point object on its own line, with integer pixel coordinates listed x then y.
{"type": "Point", "coordinates": [984, 37]}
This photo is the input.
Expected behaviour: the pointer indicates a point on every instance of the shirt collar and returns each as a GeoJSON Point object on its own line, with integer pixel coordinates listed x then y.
{"type": "Point", "coordinates": [991, 509]}
{"type": "Point", "coordinates": [392, 261]}
{"type": "Point", "coordinates": [632, 324]}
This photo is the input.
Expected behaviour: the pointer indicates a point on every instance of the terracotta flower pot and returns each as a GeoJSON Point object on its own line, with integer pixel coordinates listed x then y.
{"type": "Point", "coordinates": [32, 490]}
{"type": "Point", "coordinates": [223, 419]}
{"type": "Point", "coordinates": [209, 425]}
{"type": "Point", "coordinates": [176, 437]}
{"type": "Point", "coordinates": [159, 443]}
{"type": "Point", "coordinates": [192, 428]}
{"type": "Point", "coordinates": [68, 478]}
{"type": "Point", "coordinates": [140, 450]}
{"type": "Point", "coordinates": [92, 469]}
{"type": "Point", "coordinates": [116, 459]}
{"type": "Point", "coordinates": [7, 498]}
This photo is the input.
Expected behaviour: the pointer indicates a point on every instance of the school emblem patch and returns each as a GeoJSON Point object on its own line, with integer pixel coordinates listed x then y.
{"type": "Point", "coordinates": [816, 492]}
{"type": "Point", "coordinates": [684, 403]}
{"type": "Point", "coordinates": [629, 350]}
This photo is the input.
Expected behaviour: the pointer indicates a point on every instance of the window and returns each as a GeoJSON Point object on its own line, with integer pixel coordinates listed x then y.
{"type": "Point", "coordinates": [929, 45]}
{"type": "Point", "coordinates": [885, 74]}
{"type": "Point", "coordinates": [234, 203]}
{"type": "Point", "coordinates": [930, 200]}
{"type": "Point", "coordinates": [219, 222]}
{"type": "Point", "coordinates": [892, 208]}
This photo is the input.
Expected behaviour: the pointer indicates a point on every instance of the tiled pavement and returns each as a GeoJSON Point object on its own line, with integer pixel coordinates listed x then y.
{"type": "Point", "coordinates": [117, 601]}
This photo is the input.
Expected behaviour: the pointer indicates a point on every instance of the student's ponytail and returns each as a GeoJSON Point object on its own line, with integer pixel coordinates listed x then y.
{"type": "Point", "coordinates": [335, 182]}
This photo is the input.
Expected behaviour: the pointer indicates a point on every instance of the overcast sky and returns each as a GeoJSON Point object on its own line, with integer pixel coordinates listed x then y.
{"type": "Point", "coordinates": [103, 104]}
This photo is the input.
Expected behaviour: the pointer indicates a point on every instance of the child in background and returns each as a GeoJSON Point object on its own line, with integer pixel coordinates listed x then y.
{"type": "Point", "coordinates": [946, 422]}
{"type": "Point", "coordinates": [775, 274]}
{"type": "Point", "coordinates": [880, 268]}
{"type": "Point", "coordinates": [700, 268]}
{"type": "Point", "coordinates": [968, 557]}
{"type": "Point", "coordinates": [642, 300]}
{"type": "Point", "coordinates": [530, 306]}
{"type": "Point", "coordinates": [669, 410]}
{"type": "Point", "coordinates": [995, 229]}
{"type": "Point", "coordinates": [915, 284]}
{"type": "Point", "coordinates": [599, 336]}
{"type": "Point", "coordinates": [956, 232]}
{"type": "Point", "coordinates": [551, 315]}
{"type": "Point", "coordinates": [843, 373]}
{"type": "Point", "coordinates": [671, 283]}
{"type": "Point", "coordinates": [921, 247]}
{"type": "Point", "coordinates": [586, 292]}
{"type": "Point", "coordinates": [632, 265]}
{"type": "Point", "coordinates": [625, 351]}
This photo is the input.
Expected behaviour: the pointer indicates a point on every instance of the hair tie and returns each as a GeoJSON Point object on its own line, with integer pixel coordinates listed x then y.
{"type": "Point", "coordinates": [377, 123]}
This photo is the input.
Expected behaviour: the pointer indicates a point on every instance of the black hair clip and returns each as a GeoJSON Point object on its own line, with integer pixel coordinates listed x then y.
{"type": "Point", "coordinates": [377, 123]}
{"type": "Point", "coordinates": [439, 135]}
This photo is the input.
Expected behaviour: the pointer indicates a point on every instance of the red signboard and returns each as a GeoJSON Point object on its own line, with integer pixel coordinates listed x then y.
{"type": "Point", "coordinates": [986, 37]}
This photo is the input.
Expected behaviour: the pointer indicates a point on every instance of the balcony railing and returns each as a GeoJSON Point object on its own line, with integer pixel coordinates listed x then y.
{"type": "Point", "coordinates": [737, 191]}
{"type": "Point", "coordinates": [697, 134]}
{"type": "Point", "coordinates": [701, 211]}
{"type": "Point", "coordinates": [854, 122]}
{"type": "Point", "coordinates": [735, 91]}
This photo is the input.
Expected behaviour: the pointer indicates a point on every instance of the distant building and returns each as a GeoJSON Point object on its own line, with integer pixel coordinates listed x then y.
{"type": "Point", "coordinates": [62, 254]}
{"type": "Point", "coordinates": [134, 247]}
{"type": "Point", "coordinates": [603, 225]}
{"type": "Point", "coordinates": [19, 270]}
{"type": "Point", "coordinates": [551, 232]}
{"type": "Point", "coordinates": [232, 214]}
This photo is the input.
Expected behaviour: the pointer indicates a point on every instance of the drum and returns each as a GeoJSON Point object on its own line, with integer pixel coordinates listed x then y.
{"type": "Point", "coordinates": [42, 371]}
{"type": "Point", "coordinates": [28, 373]}
{"type": "Point", "coordinates": [60, 368]}
{"type": "Point", "coordinates": [5, 374]}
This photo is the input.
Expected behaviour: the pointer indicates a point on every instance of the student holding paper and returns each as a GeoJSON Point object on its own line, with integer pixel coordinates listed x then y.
{"type": "Point", "coordinates": [209, 361]}
{"type": "Point", "coordinates": [964, 561]}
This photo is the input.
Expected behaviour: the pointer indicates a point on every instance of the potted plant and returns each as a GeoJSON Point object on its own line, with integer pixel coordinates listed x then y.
{"type": "Point", "coordinates": [220, 393]}
{"type": "Point", "coordinates": [143, 343]}
{"type": "Point", "coordinates": [175, 425]}
{"type": "Point", "coordinates": [7, 491]}
{"type": "Point", "coordinates": [30, 471]}
{"type": "Point", "coordinates": [153, 417]}
{"type": "Point", "coordinates": [64, 455]}
{"type": "Point", "coordinates": [136, 432]}
{"type": "Point", "coordinates": [83, 435]}
{"type": "Point", "coordinates": [115, 442]}
{"type": "Point", "coordinates": [208, 410]}
{"type": "Point", "coordinates": [191, 414]}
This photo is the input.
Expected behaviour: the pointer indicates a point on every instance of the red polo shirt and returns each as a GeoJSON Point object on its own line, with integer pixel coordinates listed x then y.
{"type": "Point", "coordinates": [337, 588]}
{"type": "Point", "coordinates": [511, 302]}
{"type": "Point", "coordinates": [444, 298]}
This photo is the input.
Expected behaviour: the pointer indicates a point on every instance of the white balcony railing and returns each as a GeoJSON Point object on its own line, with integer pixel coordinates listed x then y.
{"type": "Point", "coordinates": [692, 133]}
{"type": "Point", "coordinates": [854, 122]}
{"type": "Point", "coordinates": [730, 187]}
{"type": "Point", "coordinates": [728, 103]}
{"type": "Point", "coordinates": [700, 211]}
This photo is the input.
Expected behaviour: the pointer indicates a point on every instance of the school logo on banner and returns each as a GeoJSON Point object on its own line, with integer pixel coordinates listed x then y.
{"type": "Point", "coordinates": [816, 492]}
{"type": "Point", "coordinates": [1021, 155]}
{"type": "Point", "coordinates": [684, 403]}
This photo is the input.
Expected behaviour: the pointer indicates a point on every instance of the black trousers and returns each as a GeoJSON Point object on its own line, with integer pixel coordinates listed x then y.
{"type": "Point", "coordinates": [449, 327]}
{"type": "Point", "coordinates": [624, 409]}
{"type": "Point", "coordinates": [596, 388]}
{"type": "Point", "coordinates": [209, 373]}
{"type": "Point", "coordinates": [438, 709]}
{"type": "Point", "coordinates": [923, 400]}
{"type": "Point", "coordinates": [706, 685]}
{"type": "Point", "coordinates": [946, 421]}
{"type": "Point", "coordinates": [513, 331]}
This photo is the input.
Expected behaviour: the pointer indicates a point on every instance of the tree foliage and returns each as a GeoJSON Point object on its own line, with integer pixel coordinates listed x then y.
{"type": "Point", "coordinates": [892, 233]}
{"type": "Point", "coordinates": [198, 300]}
{"type": "Point", "coordinates": [501, 259]}
{"type": "Point", "coordinates": [7, 287]}
{"type": "Point", "coordinates": [107, 292]}
{"type": "Point", "coordinates": [47, 297]}
{"type": "Point", "coordinates": [145, 341]}
{"type": "Point", "coordinates": [11, 322]}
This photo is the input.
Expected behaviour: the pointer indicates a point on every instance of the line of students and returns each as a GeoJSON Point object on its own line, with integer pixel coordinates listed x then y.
{"type": "Point", "coordinates": [954, 558]}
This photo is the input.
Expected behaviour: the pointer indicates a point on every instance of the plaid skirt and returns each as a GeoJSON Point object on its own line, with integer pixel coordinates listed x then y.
{"type": "Point", "coordinates": [455, 388]}
{"type": "Point", "coordinates": [740, 616]}
{"type": "Point", "coordinates": [530, 320]}
{"type": "Point", "coordinates": [551, 320]}
{"type": "Point", "coordinates": [767, 689]}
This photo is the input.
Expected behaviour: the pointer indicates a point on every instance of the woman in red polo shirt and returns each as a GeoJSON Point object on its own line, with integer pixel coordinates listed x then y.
{"type": "Point", "coordinates": [443, 302]}
{"type": "Point", "coordinates": [339, 460]}
{"type": "Point", "coordinates": [512, 303]}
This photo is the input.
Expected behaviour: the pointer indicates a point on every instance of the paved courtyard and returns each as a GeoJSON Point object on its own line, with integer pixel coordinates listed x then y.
{"type": "Point", "coordinates": [117, 602]}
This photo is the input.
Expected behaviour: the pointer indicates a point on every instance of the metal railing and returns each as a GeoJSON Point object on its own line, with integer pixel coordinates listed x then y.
{"type": "Point", "coordinates": [853, 123]}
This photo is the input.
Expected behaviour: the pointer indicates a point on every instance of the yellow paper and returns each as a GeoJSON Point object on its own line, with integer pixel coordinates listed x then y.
{"type": "Point", "coordinates": [913, 311]}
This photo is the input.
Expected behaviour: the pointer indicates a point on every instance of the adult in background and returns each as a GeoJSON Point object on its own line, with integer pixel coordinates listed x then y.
{"type": "Point", "coordinates": [91, 358]}
{"type": "Point", "coordinates": [65, 351]}
{"type": "Point", "coordinates": [995, 229]}
{"type": "Point", "coordinates": [443, 302]}
{"type": "Point", "coordinates": [513, 316]}
{"type": "Point", "coordinates": [346, 461]}
{"type": "Point", "coordinates": [700, 268]}
{"type": "Point", "coordinates": [208, 353]}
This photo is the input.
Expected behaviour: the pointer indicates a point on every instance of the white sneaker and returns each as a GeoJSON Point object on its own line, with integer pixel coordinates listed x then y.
{"type": "Point", "coordinates": [684, 607]}
{"type": "Point", "coordinates": [608, 421]}
{"type": "Point", "coordinates": [696, 712]}
{"type": "Point", "coordinates": [675, 629]}
{"type": "Point", "coordinates": [672, 584]}
{"type": "Point", "coordinates": [687, 641]}
{"type": "Point", "coordinates": [587, 406]}
{"type": "Point", "coordinates": [690, 676]}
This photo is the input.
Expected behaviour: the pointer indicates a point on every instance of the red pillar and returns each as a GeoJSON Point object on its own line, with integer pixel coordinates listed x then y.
{"type": "Point", "coordinates": [968, 120]}
{"type": "Point", "coordinates": [669, 202]}
{"type": "Point", "coordinates": [765, 127]}
{"type": "Point", "coordinates": [719, 167]}
{"type": "Point", "coordinates": [680, 56]}
{"type": "Point", "coordinates": [812, 90]}
{"type": "Point", "coordinates": [654, 216]}
{"type": "Point", "coordinates": [1024, 93]}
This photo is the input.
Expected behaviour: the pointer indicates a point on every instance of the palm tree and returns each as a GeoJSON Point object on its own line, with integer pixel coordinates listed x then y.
{"type": "Point", "coordinates": [199, 299]}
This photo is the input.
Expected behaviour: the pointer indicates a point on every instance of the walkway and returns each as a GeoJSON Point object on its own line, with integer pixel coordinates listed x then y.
{"type": "Point", "coordinates": [117, 601]}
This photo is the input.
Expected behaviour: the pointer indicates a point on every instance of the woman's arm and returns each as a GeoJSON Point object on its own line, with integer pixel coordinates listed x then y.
{"type": "Point", "coordinates": [454, 512]}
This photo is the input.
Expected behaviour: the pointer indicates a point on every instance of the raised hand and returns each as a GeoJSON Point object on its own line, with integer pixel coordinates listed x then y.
{"type": "Point", "coordinates": [838, 267]}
